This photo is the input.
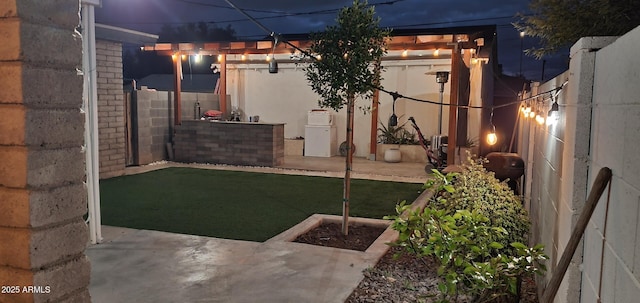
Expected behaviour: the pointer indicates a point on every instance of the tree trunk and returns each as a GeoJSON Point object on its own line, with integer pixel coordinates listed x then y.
{"type": "Point", "coordinates": [348, 164]}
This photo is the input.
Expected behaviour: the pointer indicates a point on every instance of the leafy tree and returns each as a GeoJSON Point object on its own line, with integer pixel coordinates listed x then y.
{"type": "Point", "coordinates": [196, 32]}
{"type": "Point", "coordinates": [348, 66]}
{"type": "Point", "coordinates": [560, 23]}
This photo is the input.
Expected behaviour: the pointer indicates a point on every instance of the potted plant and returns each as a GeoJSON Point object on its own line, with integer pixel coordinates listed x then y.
{"type": "Point", "coordinates": [396, 135]}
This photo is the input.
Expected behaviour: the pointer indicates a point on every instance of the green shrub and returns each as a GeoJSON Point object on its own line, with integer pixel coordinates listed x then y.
{"type": "Point", "coordinates": [474, 227]}
{"type": "Point", "coordinates": [476, 189]}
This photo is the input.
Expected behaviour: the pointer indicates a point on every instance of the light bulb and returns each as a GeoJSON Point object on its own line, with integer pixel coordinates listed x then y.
{"type": "Point", "coordinates": [540, 119]}
{"type": "Point", "coordinates": [532, 114]}
{"type": "Point", "coordinates": [436, 53]}
{"type": "Point", "coordinates": [553, 116]}
{"type": "Point", "coordinates": [243, 57]}
{"type": "Point", "coordinates": [197, 58]}
{"type": "Point", "coordinates": [492, 139]}
{"type": "Point", "coordinates": [219, 58]}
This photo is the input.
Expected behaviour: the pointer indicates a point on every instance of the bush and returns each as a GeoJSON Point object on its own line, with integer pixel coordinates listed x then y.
{"type": "Point", "coordinates": [474, 227]}
{"type": "Point", "coordinates": [476, 189]}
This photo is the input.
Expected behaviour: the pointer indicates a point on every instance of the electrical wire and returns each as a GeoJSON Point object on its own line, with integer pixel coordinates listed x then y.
{"type": "Point", "coordinates": [394, 95]}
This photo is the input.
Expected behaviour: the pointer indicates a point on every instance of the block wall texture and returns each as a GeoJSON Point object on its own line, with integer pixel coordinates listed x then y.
{"type": "Point", "coordinates": [598, 127]}
{"type": "Point", "coordinates": [111, 109]}
{"type": "Point", "coordinates": [612, 239]}
{"type": "Point", "coordinates": [235, 143]}
{"type": "Point", "coordinates": [154, 120]}
{"type": "Point", "coordinates": [42, 196]}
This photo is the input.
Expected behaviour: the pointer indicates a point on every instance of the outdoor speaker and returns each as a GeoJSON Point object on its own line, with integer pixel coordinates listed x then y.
{"type": "Point", "coordinates": [273, 66]}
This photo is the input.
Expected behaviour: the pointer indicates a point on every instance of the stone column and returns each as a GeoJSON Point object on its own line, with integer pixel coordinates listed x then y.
{"type": "Point", "coordinates": [42, 197]}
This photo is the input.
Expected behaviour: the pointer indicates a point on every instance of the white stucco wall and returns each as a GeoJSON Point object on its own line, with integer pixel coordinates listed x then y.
{"type": "Point", "coordinates": [599, 127]}
{"type": "Point", "coordinates": [286, 97]}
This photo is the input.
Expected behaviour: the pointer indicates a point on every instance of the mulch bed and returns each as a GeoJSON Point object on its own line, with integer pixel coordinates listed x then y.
{"type": "Point", "coordinates": [360, 237]}
{"type": "Point", "coordinates": [406, 278]}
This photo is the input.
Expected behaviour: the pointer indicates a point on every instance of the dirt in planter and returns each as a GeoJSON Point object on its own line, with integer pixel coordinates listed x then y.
{"type": "Point", "coordinates": [360, 237]}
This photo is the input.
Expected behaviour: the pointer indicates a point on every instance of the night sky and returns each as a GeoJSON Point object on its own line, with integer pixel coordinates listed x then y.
{"type": "Point", "coordinates": [302, 16]}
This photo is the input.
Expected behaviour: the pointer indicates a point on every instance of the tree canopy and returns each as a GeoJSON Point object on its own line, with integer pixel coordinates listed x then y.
{"type": "Point", "coordinates": [349, 56]}
{"type": "Point", "coordinates": [560, 23]}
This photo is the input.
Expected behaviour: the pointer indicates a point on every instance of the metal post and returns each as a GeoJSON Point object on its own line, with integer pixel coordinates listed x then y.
{"type": "Point", "coordinates": [440, 112]}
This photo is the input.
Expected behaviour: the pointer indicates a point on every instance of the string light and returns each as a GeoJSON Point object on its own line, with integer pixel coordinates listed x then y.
{"type": "Point", "coordinates": [436, 52]}
{"type": "Point", "coordinates": [552, 116]}
{"type": "Point", "coordinates": [405, 53]}
{"type": "Point", "coordinates": [492, 138]}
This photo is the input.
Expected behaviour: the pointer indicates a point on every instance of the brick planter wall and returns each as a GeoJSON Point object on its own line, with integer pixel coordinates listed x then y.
{"type": "Point", "coordinates": [236, 143]}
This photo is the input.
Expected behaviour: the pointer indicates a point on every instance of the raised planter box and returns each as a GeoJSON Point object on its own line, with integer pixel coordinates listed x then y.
{"type": "Point", "coordinates": [410, 153]}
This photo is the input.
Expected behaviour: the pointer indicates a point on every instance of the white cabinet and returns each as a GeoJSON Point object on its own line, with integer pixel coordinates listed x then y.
{"type": "Point", "coordinates": [320, 141]}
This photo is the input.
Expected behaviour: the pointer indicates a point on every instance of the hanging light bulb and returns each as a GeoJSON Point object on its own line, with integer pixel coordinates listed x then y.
{"type": "Point", "coordinates": [539, 119]}
{"type": "Point", "coordinates": [405, 53]}
{"type": "Point", "coordinates": [436, 52]}
{"type": "Point", "coordinates": [532, 114]}
{"type": "Point", "coordinates": [552, 116]}
{"type": "Point", "coordinates": [492, 138]}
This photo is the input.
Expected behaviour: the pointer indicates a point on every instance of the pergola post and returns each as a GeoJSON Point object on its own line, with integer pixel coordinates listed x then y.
{"type": "Point", "coordinates": [453, 104]}
{"type": "Point", "coordinates": [222, 58]}
{"type": "Point", "coordinates": [177, 85]}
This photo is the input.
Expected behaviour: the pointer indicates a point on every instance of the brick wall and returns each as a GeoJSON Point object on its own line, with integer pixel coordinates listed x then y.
{"type": "Point", "coordinates": [42, 197]}
{"type": "Point", "coordinates": [111, 114]}
{"type": "Point", "coordinates": [236, 143]}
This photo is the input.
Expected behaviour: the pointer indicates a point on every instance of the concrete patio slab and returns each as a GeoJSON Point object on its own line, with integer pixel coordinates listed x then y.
{"type": "Point", "coordinates": [152, 266]}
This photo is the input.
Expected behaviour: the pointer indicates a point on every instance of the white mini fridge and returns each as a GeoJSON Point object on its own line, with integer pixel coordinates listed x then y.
{"type": "Point", "coordinates": [320, 141]}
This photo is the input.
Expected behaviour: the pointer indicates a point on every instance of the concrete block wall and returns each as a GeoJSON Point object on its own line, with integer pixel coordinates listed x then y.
{"type": "Point", "coordinates": [111, 109]}
{"type": "Point", "coordinates": [233, 143]}
{"type": "Point", "coordinates": [42, 197]}
{"type": "Point", "coordinates": [154, 120]}
{"type": "Point", "coordinates": [598, 127]}
{"type": "Point", "coordinates": [612, 239]}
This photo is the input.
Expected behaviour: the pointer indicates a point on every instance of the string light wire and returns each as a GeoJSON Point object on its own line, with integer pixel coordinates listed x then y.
{"type": "Point", "coordinates": [394, 95]}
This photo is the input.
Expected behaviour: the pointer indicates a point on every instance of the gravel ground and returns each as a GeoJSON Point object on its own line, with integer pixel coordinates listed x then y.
{"type": "Point", "coordinates": [408, 279]}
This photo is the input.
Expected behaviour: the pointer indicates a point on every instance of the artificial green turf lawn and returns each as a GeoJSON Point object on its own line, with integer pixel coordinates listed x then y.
{"type": "Point", "coordinates": [238, 205]}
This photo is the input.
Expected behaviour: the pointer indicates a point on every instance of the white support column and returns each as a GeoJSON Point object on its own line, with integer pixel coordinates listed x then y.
{"type": "Point", "coordinates": [90, 107]}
